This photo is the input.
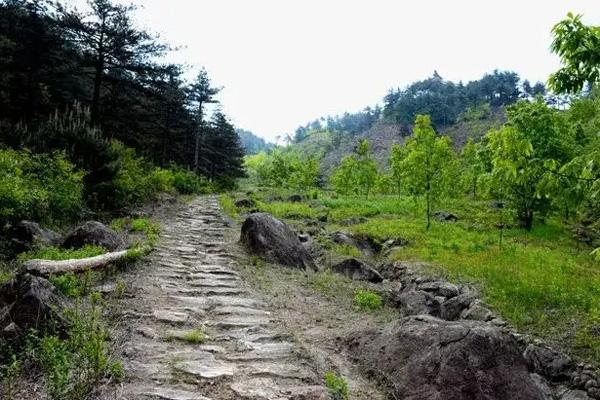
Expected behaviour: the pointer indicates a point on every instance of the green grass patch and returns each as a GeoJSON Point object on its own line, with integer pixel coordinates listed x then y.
{"type": "Point", "coordinates": [366, 300]}
{"type": "Point", "coordinates": [196, 336]}
{"type": "Point", "coordinates": [57, 254]}
{"type": "Point", "coordinates": [283, 209]}
{"type": "Point", "coordinates": [346, 250]}
{"type": "Point", "coordinates": [228, 205]}
{"type": "Point", "coordinates": [337, 386]}
{"type": "Point", "coordinates": [331, 285]}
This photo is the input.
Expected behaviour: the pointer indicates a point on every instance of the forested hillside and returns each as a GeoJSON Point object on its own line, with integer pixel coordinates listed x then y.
{"type": "Point", "coordinates": [87, 88]}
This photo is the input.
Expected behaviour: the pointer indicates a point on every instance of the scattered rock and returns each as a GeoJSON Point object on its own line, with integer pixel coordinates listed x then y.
{"type": "Point", "coordinates": [166, 198]}
{"type": "Point", "coordinates": [366, 246]}
{"type": "Point", "coordinates": [30, 302]}
{"type": "Point", "coordinates": [477, 312]}
{"type": "Point", "coordinates": [353, 221]}
{"type": "Point", "coordinates": [357, 270]}
{"type": "Point", "coordinates": [428, 358]}
{"type": "Point", "coordinates": [93, 233]}
{"type": "Point", "coordinates": [445, 216]}
{"type": "Point", "coordinates": [295, 198]}
{"type": "Point", "coordinates": [573, 395]}
{"type": "Point", "coordinates": [440, 288]}
{"type": "Point", "coordinates": [304, 237]}
{"type": "Point", "coordinates": [548, 362]}
{"type": "Point", "coordinates": [414, 302]}
{"type": "Point", "coordinates": [245, 203]}
{"type": "Point", "coordinates": [274, 240]}
{"type": "Point", "coordinates": [28, 235]}
{"type": "Point", "coordinates": [322, 218]}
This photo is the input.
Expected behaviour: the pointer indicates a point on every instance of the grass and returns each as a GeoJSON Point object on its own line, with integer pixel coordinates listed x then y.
{"type": "Point", "coordinates": [146, 226]}
{"type": "Point", "coordinates": [337, 386]}
{"type": "Point", "coordinates": [543, 281]}
{"type": "Point", "coordinates": [331, 285]}
{"type": "Point", "coordinates": [56, 253]}
{"type": "Point", "coordinates": [196, 336]}
{"type": "Point", "coordinates": [228, 205]}
{"type": "Point", "coordinates": [366, 300]}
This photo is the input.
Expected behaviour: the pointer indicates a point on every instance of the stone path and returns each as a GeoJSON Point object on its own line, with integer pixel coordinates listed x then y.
{"type": "Point", "coordinates": [189, 283]}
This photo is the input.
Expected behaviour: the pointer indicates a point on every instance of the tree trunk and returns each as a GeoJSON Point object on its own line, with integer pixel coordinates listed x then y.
{"type": "Point", "coordinates": [198, 134]}
{"type": "Point", "coordinates": [49, 267]}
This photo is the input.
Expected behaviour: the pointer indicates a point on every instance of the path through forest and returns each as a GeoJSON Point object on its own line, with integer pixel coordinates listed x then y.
{"type": "Point", "coordinates": [189, 282]}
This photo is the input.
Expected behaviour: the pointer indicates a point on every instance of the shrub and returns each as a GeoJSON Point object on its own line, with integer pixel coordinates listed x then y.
{"type": "Point", "coordinates": [45, 188]}
{"type": "Point", "coordinates": [367, 300]}
{"type": "Point", "coordinates": [337, 386]}
{"type": "Point", "coordinates": [187, 182]}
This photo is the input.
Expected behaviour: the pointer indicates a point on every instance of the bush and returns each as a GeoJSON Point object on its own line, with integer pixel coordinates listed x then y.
{"type": "Point", "coordinates": [367, 300]}
{"type": "Point", "coordinates": [337, 386]}
{"type": "Point", "coordinates": [187, 182]}
{"type": "Point", "coordinates": [41, 187]}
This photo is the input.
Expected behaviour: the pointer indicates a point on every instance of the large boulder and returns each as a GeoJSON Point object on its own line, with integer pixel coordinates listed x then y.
{"type": "Point", "coordinates": [357, 270]}
{"type": "Point", "coordinates": [427, 358]}
{"type": "Point", "coordinates": [30, 302]}
{"type": "Point", "coordinates": [268, 237]}
{"type": "Point", "coordinates": [415, 302]}
{"type": "Point", "coordinates": [28, 235]}
{"type": "Point", "coordinates": [93, 233]}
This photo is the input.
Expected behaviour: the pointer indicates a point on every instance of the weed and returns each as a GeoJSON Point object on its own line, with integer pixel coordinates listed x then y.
{"type": "Point", "coordinates": [116, 371]}
{"type": "Point", "coordinates": [337, 386]}
{"type": "Point", "coordinates": [9, 375]}
{"type": "Point", "coordinates": [120, 288]}
{"type": "Point", "coordinates": [68, 284]}
{"type": "Point", "coordinates": [56, 253]}
{"type": "Point", "coordinates": [193, 336]}
{"type": "Point", "coordinates": [367, 300]}
{"type": "Point", "coordinates": [228, 205]}
{"type": "Point", "coordinates": [331, 285]}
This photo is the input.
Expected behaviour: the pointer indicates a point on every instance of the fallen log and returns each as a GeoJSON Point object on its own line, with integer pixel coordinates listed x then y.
{"type": "Point", "coordinates": [49, 267]}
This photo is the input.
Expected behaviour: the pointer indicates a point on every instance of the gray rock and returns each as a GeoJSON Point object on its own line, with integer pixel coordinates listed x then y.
{"type": "Point", "coordinates": [245, 203]}
{"type": "Point", "coordinates": [93, 233]}
{"type": "Point", "coordinates": [30, 302]}
{"type": "Point", "coordinates": [268, 237]}
{"type": "Point", "coordinates": [452, 308]}
{"type": "Point", "coordinates": [415, 302]}
{"type": "Point", "coordinates": [445, 216]}
{"type": "Point", "coordinates": [573, 395]}
{"type": "Point", "coordinates": [295, 198]}
{"type": "Point", "coordinates": [427, 358]}
{"type": "Point", "coordinates": [440, 288]}
{"type": "Point", "coordinates": [304, 237]}
{"type": "Point", "coordinates": [366, 246]}
{"type": "Point", "coordinates": [357, 270]}
{"type": "Point", "coordinates": [548, 362]}
{"type": "Point", "coordinates": [28, 235]}
{"type": "Point", "coordinates": [541, 383]}
{"type": "Point", "coordinates": [477, 312]}
{"type": "Point", "coordinates": [594, 392]}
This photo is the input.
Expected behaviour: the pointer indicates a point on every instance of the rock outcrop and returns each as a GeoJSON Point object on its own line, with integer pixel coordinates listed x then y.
{"type": "Point", "coordinates": [93, 233]}
{"type": "Point", "coordinates": [357, 270]}
{"type": "Point", "coordinates": [28, 235]}
{"type": "Point", "coordinates": [424, 357]}
{"type": "Point", "coordinates": [30, 302]}
{"type": "Point", "coordinates": [272, 239]}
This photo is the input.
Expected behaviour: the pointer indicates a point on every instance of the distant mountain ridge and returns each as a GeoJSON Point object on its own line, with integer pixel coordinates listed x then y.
{"type": "Point", "coordinates": [253, 144]}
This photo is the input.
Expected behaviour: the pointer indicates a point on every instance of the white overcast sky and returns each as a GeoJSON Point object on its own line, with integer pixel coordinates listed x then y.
{"type": "Point", "coordinates": [285, 62]}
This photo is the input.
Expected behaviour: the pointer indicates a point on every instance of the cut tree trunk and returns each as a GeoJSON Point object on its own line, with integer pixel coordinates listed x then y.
{"type": "Point", "coordinates": [49, 267]}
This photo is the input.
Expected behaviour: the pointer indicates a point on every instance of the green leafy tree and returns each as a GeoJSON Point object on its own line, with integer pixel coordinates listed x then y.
{"type": "Point", "coordinates": [578, 47]}
{"type": "Point", "coordinates": [366, 169]}
{"type": "Point", "coordinates": [427, 164]}
{"type": "Point", "coordinates": [525, 152]}
{"type": "Point", "coordinates": [471, 166]}
{"type": "Point", "coordinates": [397, 156]}
{"type": "Point", "coordinates": [343, 178]}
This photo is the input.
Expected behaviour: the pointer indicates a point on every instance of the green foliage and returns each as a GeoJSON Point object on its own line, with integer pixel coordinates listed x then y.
{"type": "Point", "coordinates": [68, 284]}
{"type": "Point", "coordinates": [367, 300]}
{"type": "Point", "coordinates": [8, 377]}
{"type": "Point", "coordinates": [284, 168]}
{"type": "Point", "coordinates": [524, 153]}
{"type": "Point", "coordinates": [578, 47]}
{"type": "Point", "coordinates": [357, 173]}
{"type": "Point", "coordinates": [74, 365]}
{"type": "Point", "coordinates": [337, 386]}
{"type": "Point", "coordinates": [57, 253]}
{"type": "Point", "coordinates": [45, 188]}
{"type": "Point", "coordinates": [188, 182]}
{"type": "Point", "coordinates": [428, 164]}
{"type": "Point", "coordinates": [227, 204]}
{"type": "Point", "coordinates": [195, 336]}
